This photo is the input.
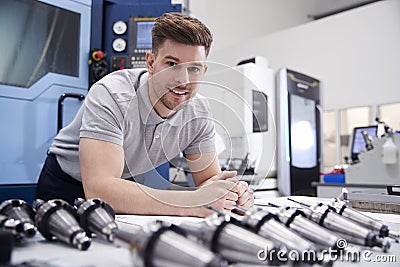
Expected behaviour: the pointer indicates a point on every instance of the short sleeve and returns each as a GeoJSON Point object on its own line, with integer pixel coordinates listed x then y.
{"type": "Point", "coordinates": [204, 140]}
{"type": "Point", "coordinates": [102, 118]}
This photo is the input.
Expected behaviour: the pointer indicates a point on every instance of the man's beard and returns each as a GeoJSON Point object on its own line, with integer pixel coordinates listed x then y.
{"type": "Point", "coordinates": [162, 91]}
{"type": "Point", "coordinates": [172, 105]}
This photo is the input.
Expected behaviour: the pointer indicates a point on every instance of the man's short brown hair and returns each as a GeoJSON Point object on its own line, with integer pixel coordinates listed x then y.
{"type": "Point", "coordinates": [180, 28]}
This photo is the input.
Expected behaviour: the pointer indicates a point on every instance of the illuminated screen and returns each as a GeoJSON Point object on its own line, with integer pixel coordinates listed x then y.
{"type": "Point", "coordinates": [358, 143]}
{"type": "Point", "coordinates": [303, 125]}
{"type": "Point", "coordinates": [37, 38]}
{"type": "Point", "coordinates": [143, 35]}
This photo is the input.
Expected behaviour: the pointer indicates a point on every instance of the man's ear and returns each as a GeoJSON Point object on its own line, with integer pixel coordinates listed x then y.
{"type": "Point", "coordinates": [150, 58]}
{"type": "Point", "coordinates": [205, 69]}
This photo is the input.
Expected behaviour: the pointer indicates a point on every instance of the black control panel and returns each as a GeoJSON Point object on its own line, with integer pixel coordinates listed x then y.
{"type": "Point", "coordinates": [140, 40]}
{"type": "Point", "coordinates": [131, 52]}
{"type": "Point", "coordinates": [121, 31]}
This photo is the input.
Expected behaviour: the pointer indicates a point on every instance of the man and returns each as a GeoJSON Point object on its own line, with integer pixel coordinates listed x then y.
{"type": "Point", "coordinates": [133, 121]}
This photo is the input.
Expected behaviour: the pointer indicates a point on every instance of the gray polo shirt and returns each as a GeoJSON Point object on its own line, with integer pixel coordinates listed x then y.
{"type": "Point", "coordinates": [116, 111]}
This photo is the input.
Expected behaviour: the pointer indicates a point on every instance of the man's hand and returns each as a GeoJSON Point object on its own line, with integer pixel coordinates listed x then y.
{"type": "Point", "coordinates": [246, 197]}
{"type": "Point", "coordinates": [225, 192]}
{"type": "Point", "coordinates": [221, 195]}
{"type": "Point", "coordinates": [220, 191]}
{"type": "Point", "coordinates": [245, 194]}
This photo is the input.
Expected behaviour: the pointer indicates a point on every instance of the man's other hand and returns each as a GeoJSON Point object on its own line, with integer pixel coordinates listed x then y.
{"type": "Point", "coordinates": [246, 197]}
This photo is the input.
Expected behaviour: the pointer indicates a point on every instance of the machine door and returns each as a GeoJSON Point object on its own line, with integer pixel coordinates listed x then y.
{"type": "Point", "coordinates": [44, 48]}
{"type": "Point", "coordinates": [300, 127]}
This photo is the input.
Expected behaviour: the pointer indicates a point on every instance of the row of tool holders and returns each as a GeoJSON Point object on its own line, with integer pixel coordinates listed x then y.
{"type": "Point", "coordinates": [272, 235]}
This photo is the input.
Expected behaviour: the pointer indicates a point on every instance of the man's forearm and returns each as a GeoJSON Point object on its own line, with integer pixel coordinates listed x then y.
{"type": "Point", "coordinates": [131, 198]}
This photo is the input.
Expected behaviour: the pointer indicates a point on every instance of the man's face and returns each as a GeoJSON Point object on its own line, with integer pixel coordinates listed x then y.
{"type": "Point", "coordinates": [174, 75]}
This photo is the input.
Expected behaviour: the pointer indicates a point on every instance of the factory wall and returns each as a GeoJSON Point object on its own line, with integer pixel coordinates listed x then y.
{"type": "Point", "coordinates": [238, 21]}
{"type": "Point", "coordinates": [355, 53]}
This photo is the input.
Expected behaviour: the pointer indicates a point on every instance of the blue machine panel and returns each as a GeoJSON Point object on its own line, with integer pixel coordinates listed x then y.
{"type": "Point", "coordinates": [45, 56]}
{"type": "Point", "coordinates": [126, 51]}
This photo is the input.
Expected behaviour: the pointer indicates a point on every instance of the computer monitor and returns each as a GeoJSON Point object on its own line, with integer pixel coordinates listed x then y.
{"type": "Point", "coordinates": [358, 144]}
{"type": "Point", "coordinates": [140, 40]}
{"type": "Point", "coordinates": [143, 34]}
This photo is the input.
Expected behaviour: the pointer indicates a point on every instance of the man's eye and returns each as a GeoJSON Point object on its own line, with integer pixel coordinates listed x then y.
{"type": "Point", "coordinates": [171, 63]}
{"type": "Point", "coordinates": [193, 69]}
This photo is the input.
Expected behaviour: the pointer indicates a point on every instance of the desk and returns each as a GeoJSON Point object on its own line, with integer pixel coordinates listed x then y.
{"type": "Point", "coordinates": [104, 254]}
{"type": "Point", "coordinates": [99, 254]}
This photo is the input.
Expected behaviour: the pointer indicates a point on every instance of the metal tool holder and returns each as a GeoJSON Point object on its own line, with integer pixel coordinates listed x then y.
{"type": "Point", "coordinates": [326, 216]}
{"type": "Point", "coordinates": [297, 221]}
{"type": "Point", "coordinates": [161, 244]}
{"type": "Point", "coordinates": [56, 219]}
{"type": "Point", "coordinates": [267, 224]}
{"type": "Point", "coordinates": [22, 215]}
{"type": "Point", "coordinates": [96, 217]}
{"type": "Point", "coordinates": [233, 241]}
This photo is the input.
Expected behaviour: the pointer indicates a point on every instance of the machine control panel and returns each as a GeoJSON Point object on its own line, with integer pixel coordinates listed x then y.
{"type": "Point", "coordinates": [131, 42]}
{"type": "Point", "coordinates": [121, 29]}
{"type": "Point", "coordinates": [118, 63]}
{"type": "Point", "coordinates": [140, 40]}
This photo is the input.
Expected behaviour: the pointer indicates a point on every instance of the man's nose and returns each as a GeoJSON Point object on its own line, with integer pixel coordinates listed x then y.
{"type": "Point", "coordinates": [181, 75]}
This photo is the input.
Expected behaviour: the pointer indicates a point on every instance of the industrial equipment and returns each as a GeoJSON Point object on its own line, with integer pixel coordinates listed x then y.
{"type": "Point", "coordinates": [22, 216]}
{"type": "Point", "coordinates": [56, 219]}
{"type": "Point", "coordinates": [163, 245]}
{"type": "Point", "coordinates": [96, 217]}
{"type": "Point", "coordinates": [242, 100]}
{"type": "Point", "coordinates": [382, 161]}
{"type": "Point", "coordinates": [326, 216]}
{"type": "Point", "coordinates": [360, 139]}
{"type": "Point", "coordinates": [374, 202]}
{"type": "Point", "coordinates": [371, 176]}
{"type": "Point", "coordinates": [297, 221]}
{"type": "Point", "coordinates": [233, 241]}
{"type": "Point", "coordinates": [343, 208]}
{"type": "Point", "coordinates": [45, 56]}
{"type": "Point", "coordinates": [267, 224]}
{"type": "Point", "coordinates": [299, 125]}
{"type": "Point", "coordinates": [274, 235]}
{"type": "Point", "coordinates": [11, 226]}
{"type": "Point", "coordinates": [121, 33]}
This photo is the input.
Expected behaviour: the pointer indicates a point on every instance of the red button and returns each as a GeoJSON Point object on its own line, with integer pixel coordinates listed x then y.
{"type": "Point", "coordinates": [97, 55]}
